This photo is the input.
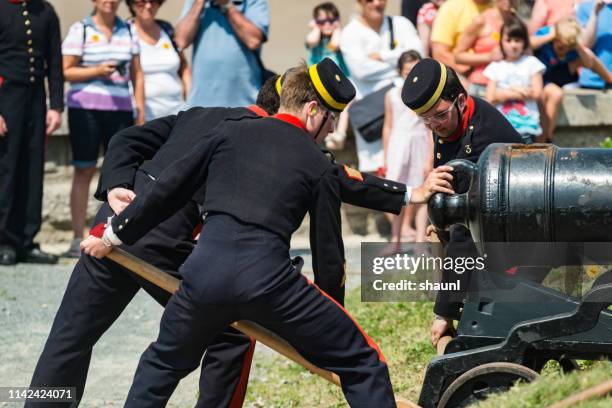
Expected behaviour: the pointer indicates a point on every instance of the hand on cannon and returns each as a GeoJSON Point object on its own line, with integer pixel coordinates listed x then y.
{"type": "Point", "coordinates": [438, 181]}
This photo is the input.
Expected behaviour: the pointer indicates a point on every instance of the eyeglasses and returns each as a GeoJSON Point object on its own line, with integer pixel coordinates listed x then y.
{"type": "Point", "coordinates": [331, 115]}
{"type": "Point", "coordinates": [322, 21]}
{"type": "Point", "coordinates": [440, 116]}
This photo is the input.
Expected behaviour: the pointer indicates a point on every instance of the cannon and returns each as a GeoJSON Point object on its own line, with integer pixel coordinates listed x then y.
{"type": "Point", "coordinates": [525, 194]}
{"type": "Point", "coordinates": [532, 193]}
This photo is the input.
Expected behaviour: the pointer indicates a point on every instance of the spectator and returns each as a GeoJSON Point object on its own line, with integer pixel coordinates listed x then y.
{"type": "Point", "coordinates": [366, 46]}
{"type": "Point", "coordinates": [596, 17]}
{"type": "Point", "coordinates": [480, 44]}
{"type": "Point", "coordinates": [515, 83]}
{"type": "Point", "coordinates": [559, 50]}
{"type": "Point", "coordinates": [549, 12]}
{"type": "Point", "coordinates": [227, 36]}
{"type": "Point", "coordinates": [425, 19]}
{"type": "Point", "coordinates": [100, 58]}
{"type": "Point", "coordinates": [29, 51]}
{"type": "Point", "coordinates": [410, 9]}
{"type": "Point", "coordinates": [323, 41]}
{"type": "Point", "coordinates": [167, 76]}
{"type": "Point", "coordinates": [452, 19]}
{"type": "Point", "coordinates": [408, 155]}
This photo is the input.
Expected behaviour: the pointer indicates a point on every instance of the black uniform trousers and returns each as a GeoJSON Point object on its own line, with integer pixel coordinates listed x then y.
{"type": "Point", "coordinates": [99, 290]}
{"type": "Point", "coordinates": [241, 271]}
{"type": "Point", "coordinates": [22, 150]}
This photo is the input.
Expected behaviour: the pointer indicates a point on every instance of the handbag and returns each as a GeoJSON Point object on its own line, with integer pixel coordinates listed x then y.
{"type": "Point", "coordinates": [265, 73]}
{"type": "Point", "coordinates": [367, 115]}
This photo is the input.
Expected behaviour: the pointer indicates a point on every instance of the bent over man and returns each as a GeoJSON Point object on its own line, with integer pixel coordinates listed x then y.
{"type": "Point", "coordinates": [463, 126]}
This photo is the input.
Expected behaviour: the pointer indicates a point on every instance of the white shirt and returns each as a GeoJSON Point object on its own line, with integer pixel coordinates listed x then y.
{"type": "Point", "coordinates": [163, 86]}
{"type": "Point", "coordinates": [519, 73]}
{"type": "Point", "coordinates": [357, 42]}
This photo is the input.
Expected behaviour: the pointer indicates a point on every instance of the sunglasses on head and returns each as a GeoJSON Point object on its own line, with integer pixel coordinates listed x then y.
{"type": "Point", "coordinates": [141, 3]}
{"type": "Point", "coordinates": [321, 21]}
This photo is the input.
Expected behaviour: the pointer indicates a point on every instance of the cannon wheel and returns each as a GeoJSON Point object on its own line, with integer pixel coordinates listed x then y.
{"type": "Point", "coordinates": [476, 384]}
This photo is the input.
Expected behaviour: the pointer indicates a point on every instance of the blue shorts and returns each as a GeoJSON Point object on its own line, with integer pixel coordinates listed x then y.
{"type": "Point", "coordinates": [89, 128]}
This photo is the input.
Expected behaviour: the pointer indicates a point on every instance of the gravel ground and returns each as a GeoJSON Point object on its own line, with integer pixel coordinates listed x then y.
{"type": "Point", "coordinates": [30, 296]}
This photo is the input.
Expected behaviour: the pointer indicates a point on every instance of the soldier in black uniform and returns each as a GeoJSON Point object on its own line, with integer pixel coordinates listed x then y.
{"type": "Point", "coordinates": [262, 177]}
{"type": "Point", "coordinates": [462, 126]}
{"type": "Point", "coordinates": [30, 50]}
{"type": "Point", "coordinates": [99, 290]}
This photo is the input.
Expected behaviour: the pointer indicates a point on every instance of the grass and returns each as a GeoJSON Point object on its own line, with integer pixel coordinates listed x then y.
{"type": "Point", "coordinates": [402, 332]}
{"type": "Point", "coordinates": [553, 387]}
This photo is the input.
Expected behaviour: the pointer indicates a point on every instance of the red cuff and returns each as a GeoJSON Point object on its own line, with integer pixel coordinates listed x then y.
{"type": "Point", "coordinates": [98, 230]}
{"type": "Point", "coordinates": [196, 231]}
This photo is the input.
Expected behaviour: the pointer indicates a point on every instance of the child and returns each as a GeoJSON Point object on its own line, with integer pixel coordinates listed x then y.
{"type": "Point", "coordinates": [558, 48]}
{"type": "Point", "coordinates": [323, 41]}
{"type": "Point", "coordinates": [408, 154]}
{"type": "Point", "coordinates": [515, 83]}
{"type": "Point", "coordinates": [425, 19]}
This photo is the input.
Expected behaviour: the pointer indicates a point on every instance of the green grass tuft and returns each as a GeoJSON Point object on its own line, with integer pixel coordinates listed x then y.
{"type": "Point", "coordinates": [553, 387]}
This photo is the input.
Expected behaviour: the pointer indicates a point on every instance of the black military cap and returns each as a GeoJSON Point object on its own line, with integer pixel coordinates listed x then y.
{"type": "Point", "coordinates": [424, 85]}
{"type": "Point", "coordinates": [331, 85]}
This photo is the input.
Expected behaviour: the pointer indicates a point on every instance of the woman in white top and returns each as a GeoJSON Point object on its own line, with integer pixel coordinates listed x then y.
{"type": "Point", "coordinates": [167, 74]}
{"type": "Point", "coordinates": [372, 61]}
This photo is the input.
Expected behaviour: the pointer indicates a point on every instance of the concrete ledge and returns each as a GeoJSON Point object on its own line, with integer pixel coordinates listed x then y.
{"type": "Point", "coordinates": [585, 107]}
{"type": "Point", "coordinates": [585, 118]}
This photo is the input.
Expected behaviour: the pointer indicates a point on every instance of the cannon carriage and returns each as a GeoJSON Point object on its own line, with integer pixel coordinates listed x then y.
{"type": "Point", "coordinates": [526, 194]}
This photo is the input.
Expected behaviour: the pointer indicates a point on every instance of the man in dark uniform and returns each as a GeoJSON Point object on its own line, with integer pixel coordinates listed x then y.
{"type": "Point", "coordinates": [135, 157]}
{"type": "Point", "coordinates": [462, 126]}
{"type": "Point", "coordinates": [99, 290]}
{"type": "Point", "coordinates": [255, 199]}
{"type": "Point", "coordinates": [30, 50]}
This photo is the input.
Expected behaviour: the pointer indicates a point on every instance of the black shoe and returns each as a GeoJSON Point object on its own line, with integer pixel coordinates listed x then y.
{"type": "Point", "coordinates": [36, 256]}
{"type": "Point", "coordinates": [8, 256]}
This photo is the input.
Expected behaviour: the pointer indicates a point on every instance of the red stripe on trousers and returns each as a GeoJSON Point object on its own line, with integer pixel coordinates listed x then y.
{"type": "Point", "coordinates": [240, 391]}
{"type": "Point", "coordinates": [368, 339]}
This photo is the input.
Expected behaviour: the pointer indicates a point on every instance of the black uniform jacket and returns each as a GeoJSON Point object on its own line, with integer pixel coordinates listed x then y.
{"type": "Point", "coordinates": [158, 143]}
{"type": "Point", "coordinates": [30, 47]}
{"type": "Point", "coordinates": [482, 125]}
{"type": "Point", "coordinates": [266, 172]}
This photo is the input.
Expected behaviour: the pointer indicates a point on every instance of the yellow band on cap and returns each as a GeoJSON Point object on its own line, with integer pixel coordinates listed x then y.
{"type": "Point", "coordinates": [436, 95]}
{"type": "Point", "coordinates": [327, 98]}
{"type": "Point", "coordinates": [278, 85]}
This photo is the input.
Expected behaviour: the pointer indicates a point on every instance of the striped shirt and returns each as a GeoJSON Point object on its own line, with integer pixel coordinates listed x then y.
{"type": "Point", "coordinates": [85, 40]}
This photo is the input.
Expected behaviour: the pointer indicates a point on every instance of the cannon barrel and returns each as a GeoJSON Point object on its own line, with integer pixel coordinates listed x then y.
{"type": "Point", "coordinates": [534, 193]}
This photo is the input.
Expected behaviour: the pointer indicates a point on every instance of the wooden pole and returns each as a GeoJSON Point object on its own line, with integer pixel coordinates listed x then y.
{"type": "Point", "coordinates": [442, 343]}
{"type": "Point", "coordinates": [262, 335]}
